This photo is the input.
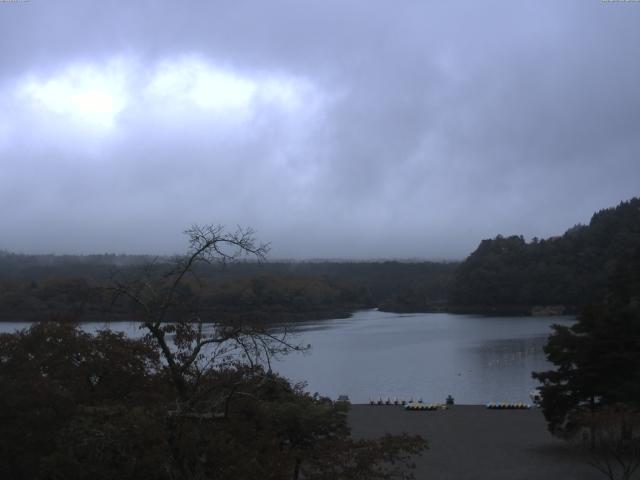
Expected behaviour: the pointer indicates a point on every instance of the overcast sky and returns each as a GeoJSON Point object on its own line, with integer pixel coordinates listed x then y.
{"type": "Point", "coordinates": [336, 129]}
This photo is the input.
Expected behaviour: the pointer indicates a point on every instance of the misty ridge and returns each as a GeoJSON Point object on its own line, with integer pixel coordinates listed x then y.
{"type": "Point", "coordinates": [505, 275]}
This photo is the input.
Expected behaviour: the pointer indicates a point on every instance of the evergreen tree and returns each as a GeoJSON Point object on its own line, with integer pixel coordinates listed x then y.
{"type": "Point", "coordinates": [598, 359]}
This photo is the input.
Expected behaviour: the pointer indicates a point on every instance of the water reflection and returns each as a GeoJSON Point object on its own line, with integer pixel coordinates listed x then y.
{"type": "Point", "coordinates": [514, 351]}
{"type": "Point", "coordinates": [372, 354]}
{"type": "Point", "coordinates": [475, 359]}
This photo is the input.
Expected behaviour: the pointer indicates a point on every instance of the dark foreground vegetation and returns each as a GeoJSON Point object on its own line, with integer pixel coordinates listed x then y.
{"type": "Point", "coordinates": [505, 275]}
{"type": "Point", "coordinates": [592, 397]}
{"type": "Point", "coordinates": [183, 403]}
{"type": "Point", "coordinates": [76, 406]}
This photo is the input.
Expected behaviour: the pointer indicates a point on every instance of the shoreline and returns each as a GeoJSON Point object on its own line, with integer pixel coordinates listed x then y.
{"type": "Point", "coordinates": [471, 442]}
{"type": "Point", "coordinates": [288, 317]}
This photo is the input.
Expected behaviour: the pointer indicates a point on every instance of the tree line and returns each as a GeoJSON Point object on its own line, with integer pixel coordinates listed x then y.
{"type": "Point", "coordinates": [33, 287]}
{"type": "Point", "coordinates": [509, 274]}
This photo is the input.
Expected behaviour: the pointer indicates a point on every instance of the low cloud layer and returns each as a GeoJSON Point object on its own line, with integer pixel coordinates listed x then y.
{"type": "Point", "coordinates": [335, 129]}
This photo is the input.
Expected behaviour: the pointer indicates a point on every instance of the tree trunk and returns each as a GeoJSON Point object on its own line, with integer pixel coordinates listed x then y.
{"type": "Point", "coordinates": [296, 470]}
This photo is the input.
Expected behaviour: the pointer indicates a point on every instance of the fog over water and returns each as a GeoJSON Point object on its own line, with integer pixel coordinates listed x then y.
{"type": "Point", "coordinates": [335, 129]}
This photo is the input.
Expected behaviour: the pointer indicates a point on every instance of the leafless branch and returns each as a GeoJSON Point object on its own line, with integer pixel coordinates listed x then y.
{"type": "Point", "coordinates": [156, 296]}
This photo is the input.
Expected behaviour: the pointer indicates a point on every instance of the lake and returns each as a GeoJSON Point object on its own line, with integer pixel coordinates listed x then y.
{"type": "Point", "coordinates": [372, 354]}
{"type": "Point", "coordinates": [476, 359]}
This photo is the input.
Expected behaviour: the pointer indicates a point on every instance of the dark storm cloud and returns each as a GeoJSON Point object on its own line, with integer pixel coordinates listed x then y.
{"type": "Point", "coordinates": [339, 129]}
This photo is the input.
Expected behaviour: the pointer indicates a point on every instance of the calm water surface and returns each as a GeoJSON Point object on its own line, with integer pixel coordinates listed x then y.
{"type": "Point", "coordinates": [476, 359]}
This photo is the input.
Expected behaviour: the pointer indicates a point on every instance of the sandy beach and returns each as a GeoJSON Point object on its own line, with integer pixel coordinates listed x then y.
{"type": "Point", "coordinates": [470, 442]}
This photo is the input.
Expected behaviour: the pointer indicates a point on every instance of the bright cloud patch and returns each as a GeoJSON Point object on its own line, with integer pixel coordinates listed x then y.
{"type": "Point", "coordinates": [191, 81]}
{"type": "Point", "coordinates": [95, 95]}
{"type": "Point", "coordinates": [85, 93]}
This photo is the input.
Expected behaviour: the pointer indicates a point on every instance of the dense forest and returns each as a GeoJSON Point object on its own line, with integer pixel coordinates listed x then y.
{"type": "Point", "coordinates": [38, 286]}
{"type": "Point", "coordinates": [509, 274]}
{"type": "Point", "coordinates": [597, 359]}
{"type": "Point", "coordinates": [504, 275]}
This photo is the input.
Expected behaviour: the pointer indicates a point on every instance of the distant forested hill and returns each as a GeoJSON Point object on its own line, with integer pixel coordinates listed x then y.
{"type": "Point", "coordinates": [504, 275]}
{"type": "Point", "coordinates": [510, 274]}
{"type": "Point", "coordinates": [51, 286]}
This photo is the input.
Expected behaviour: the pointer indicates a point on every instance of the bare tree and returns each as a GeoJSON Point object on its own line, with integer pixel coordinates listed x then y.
{"type": "Point", "coordinates": [611, 440]}
{"type": "Point", "coordinates": [191, 345]}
